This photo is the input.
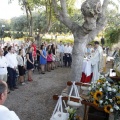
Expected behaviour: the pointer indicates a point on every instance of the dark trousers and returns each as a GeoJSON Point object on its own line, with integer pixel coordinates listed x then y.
{"type": "Point", "coordinates": [11, 77]}
{"type": "Point", "coordinates": [67, 59]}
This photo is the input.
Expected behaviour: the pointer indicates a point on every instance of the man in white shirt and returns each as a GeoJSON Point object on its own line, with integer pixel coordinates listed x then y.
{"type": "Point", "coordinates": [61, 51]}
{"type": "Point", "coordinates": [12, 66]}
{"type": "Point", "coordinates": [5, 113]}
{"type": "Point", "coordinates": [3, 66]}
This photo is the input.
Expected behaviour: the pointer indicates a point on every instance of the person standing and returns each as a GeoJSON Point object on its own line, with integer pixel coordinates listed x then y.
{"type": "Point", "coordinates": [53, 49]}
{"type": "Point", "coordinates": [21, 66]}
{"type": "Point", "coordinates": [43, 59]}
{"type": "Point", "coordinates": [61, 50]}
{"type": "Point", "coordinates": [67, 51]}
{"type": "Point", "coordinates": [33, 45]}
{"type": "Point", "coordinates": [5, 50]}
{"type": "Point", "coordinates": [30, 63]}
{"type": "Point", "coordinates": [12, 66]}
{"type": "Point", "coordinates": [3, 66]}
{"type": "Point", "coordinates": [5, 113]}
{"type": "Point", "coordinates": [38, 57]}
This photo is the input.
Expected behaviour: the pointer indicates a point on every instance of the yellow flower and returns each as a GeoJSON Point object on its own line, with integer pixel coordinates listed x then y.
{"type": "Point", "coordinates": [92, 93]}
{"type": "Point", "coordinates": [118, 97]}
{"type": "Point", "coordinates": [95, 102]}
{"type": "Point", "coordinates": [97, 95]}
{"type": "Point", "coordinates": [118, 102]}
{"type": "Point", "coordinates": [100, 81]}
{"type": "Point", "coordinates": [107, 108]}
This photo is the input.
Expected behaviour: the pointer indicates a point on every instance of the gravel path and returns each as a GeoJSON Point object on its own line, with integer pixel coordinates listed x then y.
{"type": "Point", "coordinates": [33, 101]}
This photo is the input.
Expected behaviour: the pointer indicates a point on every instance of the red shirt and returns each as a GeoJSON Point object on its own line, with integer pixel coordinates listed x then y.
{"type": "Point", "coordinates": [34, 50]}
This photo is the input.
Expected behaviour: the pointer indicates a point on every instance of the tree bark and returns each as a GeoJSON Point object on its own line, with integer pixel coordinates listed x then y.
{"type": "Point", "coordinates": [29, 16]}
{"type": "Point", "coordinates": [30, 22]}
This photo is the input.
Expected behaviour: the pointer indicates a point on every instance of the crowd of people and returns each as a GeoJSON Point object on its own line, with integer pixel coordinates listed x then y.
{"type": "Point", "coordinates": [17, 60]}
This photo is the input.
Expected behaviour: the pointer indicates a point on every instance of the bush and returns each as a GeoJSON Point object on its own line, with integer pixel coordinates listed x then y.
{"type": "Point", "coordinates": [63, 40]}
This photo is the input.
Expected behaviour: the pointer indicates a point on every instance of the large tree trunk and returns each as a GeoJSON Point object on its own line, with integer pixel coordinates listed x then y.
{"type": "Point", "coordinates": [30, 22]}
{"type": "Point", "coordinates": [80, 43]}
{"type": "Point", "coordinates": [29, 17]}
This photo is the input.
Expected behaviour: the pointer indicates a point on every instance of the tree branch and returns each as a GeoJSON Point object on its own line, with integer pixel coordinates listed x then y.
{"type": "Point", "coordinates": [55, 7]}
{"type": "Point", "coordinates": [63, 6]}
{"type": "Point", "coordinates": [101, 22]}
{"type": "Point", "coordinates": [104, 6]}
{"type": "Point", "coordinates": [62, 15]}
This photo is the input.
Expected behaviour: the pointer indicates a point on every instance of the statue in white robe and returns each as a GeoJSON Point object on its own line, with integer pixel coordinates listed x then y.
{"type": "Point", "coordinates": [95, 59]}
{"type": "Point", "coordinates": [101, 58]}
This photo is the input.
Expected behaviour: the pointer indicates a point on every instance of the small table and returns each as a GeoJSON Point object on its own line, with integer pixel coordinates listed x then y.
{"type": "Point", "coordinates": [86, 109]}
{"type": "Point", "coordinates": [117, 79]}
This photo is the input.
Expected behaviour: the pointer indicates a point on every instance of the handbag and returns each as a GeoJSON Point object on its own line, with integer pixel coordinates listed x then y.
{"type": "Point", "coordinates": [85, 86]}
{"type": "Point", "coordinates": [58, 113]}
{"type": "Point", "coordinates": [76, 95]}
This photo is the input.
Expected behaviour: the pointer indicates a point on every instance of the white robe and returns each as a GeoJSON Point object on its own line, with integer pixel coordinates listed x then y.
{"type": "Point", "coordinates": [100, 58]}
{"type": "Point", "coordinates": [6, 114]}
{"type": "Point", "coordinates": [95, 65]}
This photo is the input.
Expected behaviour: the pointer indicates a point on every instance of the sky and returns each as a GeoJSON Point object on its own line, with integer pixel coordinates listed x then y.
{"type": "Point", "coordinates": [9, 10]}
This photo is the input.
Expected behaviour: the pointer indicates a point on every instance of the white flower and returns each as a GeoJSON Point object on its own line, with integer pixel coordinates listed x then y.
{"type": "Point", "coordinates": [67, 108]}
{"type": "Point", "coordinates": [116, 107]}
{"type": "Point", "coordinates": [114, 90]}
{"type": "Point", "coordinates": [106, 102]}
{"type": "Point", "coordinates": [106, 82]}
{"type": "Point", "coordinates": [111, 100]}
{"type": "Point", "coordinates": [98, 83]}
{"type": "Point", "coordinates": [104, 85]}
{"type": "Point", "coordinates": [106, 97]}
{"type": "Point", "coordinates": [109, 89]}
{"type": "Point", "coordinates": [101, 101]}
{"type": "Point", "coordinates": [95, 82]}
{"type": "Point", "coordinates": [111, 110]}
{"type": "Point", "coordinates": [109, 84]}
{"type": "Point", "coordinates": [89, 88]}
{"type": "Point", "coordinates": [101, 89]}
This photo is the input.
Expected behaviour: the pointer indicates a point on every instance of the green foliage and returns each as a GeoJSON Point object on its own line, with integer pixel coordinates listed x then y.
{"type": "Point", "coordinates": [18, 35]}
{"type": "Point", "coordinates": [6, 23]}
{"type": "Point", "coordinates": [39, 21]}
{"type": "Point", "coordinates": [19, 23]}
{"type": "Point", "coordinates": [63, 40]}
{"type": "Point", "coordinates": [113, 36]}
{"type": "Point", "coordinates": [112, 30]}
{"type": "Point", "coordinates": [7, 34]}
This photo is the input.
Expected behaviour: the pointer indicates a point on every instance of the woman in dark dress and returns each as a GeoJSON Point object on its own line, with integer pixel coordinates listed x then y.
{"type": "Point", "coordinates": [53, 48]}
{"type": "Point", "coordinates": [30, 63]}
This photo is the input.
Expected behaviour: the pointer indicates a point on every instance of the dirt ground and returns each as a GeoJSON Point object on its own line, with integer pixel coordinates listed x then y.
{"type": "Point", "coordinates": [33, 101]}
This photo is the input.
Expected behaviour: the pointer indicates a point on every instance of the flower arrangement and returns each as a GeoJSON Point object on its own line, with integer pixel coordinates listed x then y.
{"type": "Point", "coordinates": [106, 93]}
{"type": "Point", "coordinates": [72, 114]}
